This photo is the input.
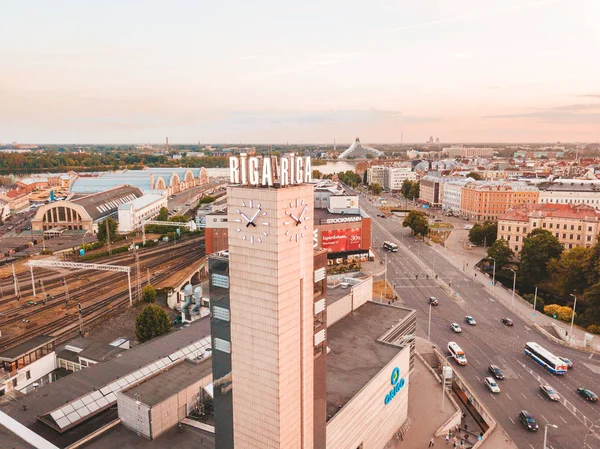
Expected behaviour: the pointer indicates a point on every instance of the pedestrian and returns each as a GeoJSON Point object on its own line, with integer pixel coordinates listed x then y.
{"type": "Point", "coordinates": [431, 443]}
{"type": "Point", "coordinates": [462, 443]}
{"type": "Point", "coordinates": [454, 445]}
{"type": "Point", "coordinates": [447, 438]}
{"type": "Point", "coordinates": [466, 425]}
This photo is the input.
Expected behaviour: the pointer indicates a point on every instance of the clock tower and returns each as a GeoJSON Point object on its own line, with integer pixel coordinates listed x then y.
{"type": "Point", "coordinates": [272, 332]}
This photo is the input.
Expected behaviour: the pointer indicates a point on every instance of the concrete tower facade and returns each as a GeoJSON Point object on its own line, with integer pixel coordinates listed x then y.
{"type": "Point", "coordinates": [271, 274]}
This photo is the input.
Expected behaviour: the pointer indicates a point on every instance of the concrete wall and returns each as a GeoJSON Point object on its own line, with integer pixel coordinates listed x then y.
{"type": "Point", "coordinates": [356, 297]}
{"type": "Point", "coordinates": [134, 416]}
{"type": "Point", "coordinates": [367, 419]}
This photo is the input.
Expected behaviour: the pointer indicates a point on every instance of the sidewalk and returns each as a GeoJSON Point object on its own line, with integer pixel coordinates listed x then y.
{"type": "Point", "coordinates": [466, 260]}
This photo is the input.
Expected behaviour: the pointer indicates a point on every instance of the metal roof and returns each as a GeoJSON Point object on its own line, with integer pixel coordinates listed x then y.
{"type": "Point", "coordinates": [24, 348]}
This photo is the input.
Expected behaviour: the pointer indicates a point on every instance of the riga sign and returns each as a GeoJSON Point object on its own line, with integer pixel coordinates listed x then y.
{"type": "Point", "coordinates": [265, 171]}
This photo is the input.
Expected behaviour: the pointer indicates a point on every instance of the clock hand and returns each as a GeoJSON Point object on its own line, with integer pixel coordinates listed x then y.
{"type": "Point", "coordinates": [303, 211]}
{"type": "Point", "coordinates": [245, 216]}
{"type": "Point", "coordinates": [251, 222]}
{"type": "Point", "coordinates": [297, 221]}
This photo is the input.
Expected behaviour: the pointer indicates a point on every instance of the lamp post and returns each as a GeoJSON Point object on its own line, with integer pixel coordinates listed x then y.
{"type": "Point", "coordinates": [512, 304]}
{"type": "Point", "coordinates": [429, 324]}
{"type": "Point", "coordinates": [385, 281]}
{"type": "Point", "coordinates": [573, 316]}
{"type": "Point", "coordinates": [546, 432]}
{"type": "Point", "coordinates": [493, 273]}
{"type": "Point", "coordinates": [534, 301]}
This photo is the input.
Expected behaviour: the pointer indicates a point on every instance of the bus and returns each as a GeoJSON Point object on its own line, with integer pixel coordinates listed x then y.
{"type": "Point", "coordinates": [457, 353]}
{"type": "Point", "coordinates": [389, 246]}
{"type": "Point", "coordinates": [545, 358]}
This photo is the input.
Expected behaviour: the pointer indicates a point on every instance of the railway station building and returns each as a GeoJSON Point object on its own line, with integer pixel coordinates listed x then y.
{"type": "Point", "coordinates": [85, 213]}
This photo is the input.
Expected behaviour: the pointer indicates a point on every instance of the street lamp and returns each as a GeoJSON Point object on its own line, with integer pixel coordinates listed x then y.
{"type": "Point", "coordinates": [429, 325]}
{"type": "Point", "coordinates": [546, 432]}
{"type": "Point", "coordinates": [512, 304]}
{"type": "Point", "coordinates": [573, 315]}
{"type": "Point", "coordinates": [493, 272]}
{"type": "Point", "coordinates": [385, 281]}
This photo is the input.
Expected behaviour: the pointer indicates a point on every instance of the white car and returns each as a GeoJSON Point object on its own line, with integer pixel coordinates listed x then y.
{"type": "Point", "coordinates": [455, 328]}
{"type": "Point", "coordinates": [491, 384]}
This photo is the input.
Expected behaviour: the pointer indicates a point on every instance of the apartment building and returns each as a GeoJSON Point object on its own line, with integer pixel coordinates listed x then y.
{"type": "Point", "coordinates": [376, 174]}
{"type": "Point", "coordinates": [486, 201]}
{"type": "Point", "coordinates": [571, 191]}
{"type": "Point", "coordinates": [452, 193]}
{"type": "Point", "coordinates": [572, 224]}
{"type": "Point", "coordinates": [394, 177]}
{"type": "Point", "coordinates": [430, 191]}
{"type": "Point", "coordinates": [457, 151]}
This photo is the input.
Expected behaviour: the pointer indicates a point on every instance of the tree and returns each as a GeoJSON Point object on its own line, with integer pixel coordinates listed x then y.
{"type": "Point", "coordinates": [151, 322]}
{"type": "Point", "coordinates": [206, 199]}
{"type": "Point", "coordinates": [316, 174]}
{"type": "Point", "coordinates": [570, 271]}
{"type": "Point", "coordinates": [417, 222]}
{"type": "Point", "coordinates": [592, 298]}
{"type": "Point", "coordinates": [476, 176]}
{"type": "Point", "coordinates": [562, 313]}
{"type": "Point", "coordinates": [490, 232]}
{"type": "Point", "coordinates": [163, 214]}
{"type": "Point", "coordinates": [405, 189]}
{"type": "Point", "coordinates": [476, 234]}
{"type": "Point", "coordinates": [415, 190]}
{"type": "Point", "coordinates": [501, 252]}
{"type": "Point", "coordinates": [112, 226]}
{"type": "Point", "coordinates": [148, 293]}
{"type": "Point", "coordinates": [594, 263]}
{"type": "Point", "coordinates": [538, 248]}
{"type": "Point", "coordinates": [375, 188]}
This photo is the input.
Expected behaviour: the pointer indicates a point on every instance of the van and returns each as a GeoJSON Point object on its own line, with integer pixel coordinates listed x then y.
{"type": "Point", "coordinates": [457, 353]}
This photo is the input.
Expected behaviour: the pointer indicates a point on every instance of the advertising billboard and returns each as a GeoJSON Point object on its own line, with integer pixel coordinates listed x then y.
{"type": "Point", "coordinates": [338, 240]}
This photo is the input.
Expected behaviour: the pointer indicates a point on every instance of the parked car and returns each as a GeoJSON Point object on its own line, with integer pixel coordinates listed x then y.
{"type": "Point", "coordinates": [497, 372]}
{"type": "Point", "coordinates": [455, 328]}
{"type": "Point", "coordinates": [550, 392]}
{"type": "Point", "coordinates": [588, 395]}
{"type": "Point", "coordinates": [470, 320]}
{"type": "Point", "coordinates": [491, 384]}
{"type": "Point", "coordinates": [569, 363]}
{"type": "Point", "coordinates": [528, 420]}
{"type": "Point", "coordinates": [433, 301]}
{"type": "Point", "coordinates": [507, 321]}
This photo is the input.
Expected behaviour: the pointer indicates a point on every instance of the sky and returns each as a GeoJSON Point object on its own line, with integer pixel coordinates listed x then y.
{"type": "Point", "coordinates": [272, 71]}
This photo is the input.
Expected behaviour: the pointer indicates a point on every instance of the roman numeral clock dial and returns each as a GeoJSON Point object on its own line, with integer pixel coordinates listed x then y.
{"type": "Point", "coordinates": [296, 220]}
{"type": "Point", "coordinates": [251, 224]}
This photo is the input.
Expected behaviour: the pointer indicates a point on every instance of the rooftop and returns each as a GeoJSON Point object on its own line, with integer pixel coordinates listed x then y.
{"type": "Point", "coordinates": [99, 205]}
{"type": "Point", "coordinates": [69, 388]}
{"type": "Point", "coordinates": [142, 201]}
{"type": "Point", "coordinates": [185, 438]}
{"type": "Point", "coordinates": [550, 210]}
{"type": "Point", "coordinates": [356, 356]}
{"type": "Point", "coordinates": [24, 348]}
{"type": "Point", "coordinates": [168, 383]}
{"type": "Point", "coordinates": [90, 349]}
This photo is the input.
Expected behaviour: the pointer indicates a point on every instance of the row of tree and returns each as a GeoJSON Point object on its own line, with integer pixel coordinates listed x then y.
{"type": "Point", "coordinates": [485, 233]}
{"type": "Point", "coordinates": [410, 189]}
{"type": "Point", "coordinates": [561, 273]}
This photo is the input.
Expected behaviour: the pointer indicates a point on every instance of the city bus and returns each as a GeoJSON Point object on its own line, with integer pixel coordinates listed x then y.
{"type": "Point", "coordinates": [457, 353]}
{"type": "Point", "coordinates": [389, 246]}
{"type": "Point", "coordinates": [545, 358]}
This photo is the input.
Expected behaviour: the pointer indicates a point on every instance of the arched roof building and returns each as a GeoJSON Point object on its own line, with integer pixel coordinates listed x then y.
{"type": "Point", "coordinates": [84, 213]}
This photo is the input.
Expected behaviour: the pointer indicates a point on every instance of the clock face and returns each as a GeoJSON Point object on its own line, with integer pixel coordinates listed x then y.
{"type": "Point", "coordinates": [251, 218]}
{"type": "Point", "coordinates": [296, 220]}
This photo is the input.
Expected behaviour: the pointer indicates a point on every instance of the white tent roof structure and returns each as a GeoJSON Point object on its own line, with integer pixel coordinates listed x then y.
{"type": "Point", "coordinates": [359, 150]}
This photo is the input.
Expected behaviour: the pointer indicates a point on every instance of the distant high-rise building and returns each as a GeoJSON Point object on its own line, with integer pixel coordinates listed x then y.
{"type": "Point", "coordinates": [430, 139]}
{"type": "Point", "coordinates": [437, 140]}
{"type": "Point", "coordinates": [167, 144]}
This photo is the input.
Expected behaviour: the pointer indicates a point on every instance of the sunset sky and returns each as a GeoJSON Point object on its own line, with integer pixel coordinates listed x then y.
{"type": "Point", "coordinates": [272, 71]}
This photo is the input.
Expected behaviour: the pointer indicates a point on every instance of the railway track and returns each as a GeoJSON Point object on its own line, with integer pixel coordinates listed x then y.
{"type": "Point", "coordinates": [62, 327]}
{"type": "Point", "coordinates": [97, 286]}
{"type": "Point", "coordinates": [55, 280]}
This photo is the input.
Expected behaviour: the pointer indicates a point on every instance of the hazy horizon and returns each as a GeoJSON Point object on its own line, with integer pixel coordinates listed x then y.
{"type": "Point", "coordinates": [521, 71]}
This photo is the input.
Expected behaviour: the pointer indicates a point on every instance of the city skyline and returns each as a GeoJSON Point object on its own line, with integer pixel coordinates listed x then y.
{"type": "Point", "coordinates": [522, 71]}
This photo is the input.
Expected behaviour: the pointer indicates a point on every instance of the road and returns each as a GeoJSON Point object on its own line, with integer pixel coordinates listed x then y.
{"type": "Point", "coordinates": [491, 342]}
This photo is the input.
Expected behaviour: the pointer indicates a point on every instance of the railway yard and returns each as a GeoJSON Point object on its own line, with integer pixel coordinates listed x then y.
{"type": "Point", "coordinates": [55, 310]}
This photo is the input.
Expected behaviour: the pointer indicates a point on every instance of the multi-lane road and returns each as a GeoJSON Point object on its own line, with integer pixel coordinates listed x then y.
{"type": "Point", "coordinates": [491, 342]}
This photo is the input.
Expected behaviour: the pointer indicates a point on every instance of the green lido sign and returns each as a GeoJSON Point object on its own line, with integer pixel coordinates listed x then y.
{"type": "Point", "coordinates": [397, 385]}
